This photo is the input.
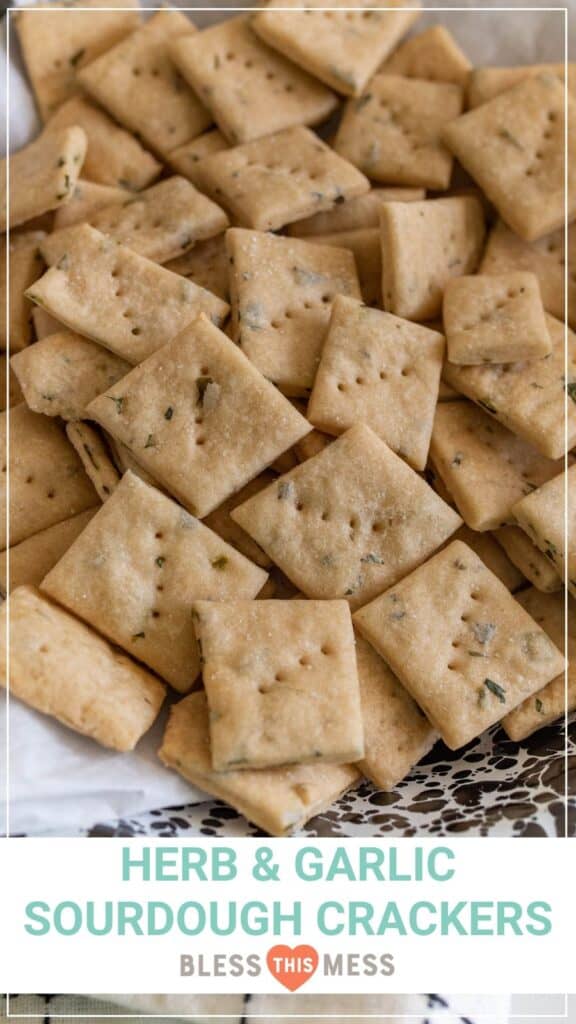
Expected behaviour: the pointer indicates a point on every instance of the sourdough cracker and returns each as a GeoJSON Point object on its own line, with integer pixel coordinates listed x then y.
{"type": "Point", "coordinates": [548, 516]}
{"type": "Point", "coordinates": [487, 83]}
{"type": "Point", "coordinates": [32, 558]}
{"type": "Point", "coordinates": [270, 182]}
{"type": "Point", "coordinates": [206, 265]}
{"type": "Point", "coordinates": [364, 244]}
{"type": "Point", "coordinates": [87, 199]}
{"type": "Point", "coordinates": [95, 457]}
{"type": "Point", "coordinates": [47, 479]}
{"type": "Point", "coordinates": [350, 521]}
{"type": "Point", "coordinates": [135, 570]}
{"type": "Point", "coordinates": [200, 417]}
{"type": "Point", "coordinates": [20, 265]}
{"type": "Point", "coordinates": [184, 158]}
{"type": "Point", "coordinates": [354, 214]}
{"type": "Point", "coordinates": [513, 147]}
{"type": "Point", "coordinates": [433, 55]}
{"type": "Point", "coordinates": [424, 245]}
{"type": "Point", "coordinates": [552, 701]}
{"type": "Point", "coordinates": [529, 559]}
{"type": "Point", "coordinates": [488, 655]}
{"type": "Point", "coordinates": [281, 682]}
{"type": "Point", "coordinates": [485, 468]}
{"type": "Point", "coordinates": [43, 175]}
{"type": "Point", "coordinates": [250, 89]}
{"type": "Point", "coordinates": [393, 131]}
{"type": "Point", "coordinates": [396, 733]}
{"type": "Point", "coordinates": [529, 397]}
{"type": "Point", "coordinates": [119, 299]}
{"type": "Point", "coordinates": [380, 370]}
{"type": "Point", "coordinates": [341, 47]}
{"type": "Point", "coordinates": [279, 800]}
{"type": "Point", "coordinates": [495, 319]}
{"type": "Point", "coordinates": [138, 84]}
{"type": "Point", "coordinates": [282, 291]}
{"type": "Point", "coordinates": [60, 667]}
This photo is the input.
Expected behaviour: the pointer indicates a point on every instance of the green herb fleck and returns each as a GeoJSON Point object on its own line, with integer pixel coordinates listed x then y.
{"type": "Point", "coordinates": [160, 561]}
{"type": "Point", "coordinates": [374, 559]}
{"type": "Point", "coordinates": [220, 563]}
{"type": "Point", "coordinates": [496, 689]}
{"type": "Point", "coordinates": [119, 402]}
{"type": "Point", "coordinates": [138, 636]}
{"type": "Point", "coordinates": [169, 413]}
{"type": "Point", "coordinates": [483, 631]}
{"type": "Point", "coordinates": [539, 705]}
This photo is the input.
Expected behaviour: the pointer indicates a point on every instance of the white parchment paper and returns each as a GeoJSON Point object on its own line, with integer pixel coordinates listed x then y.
{"type": "Point", "coordinates": [60, 781]}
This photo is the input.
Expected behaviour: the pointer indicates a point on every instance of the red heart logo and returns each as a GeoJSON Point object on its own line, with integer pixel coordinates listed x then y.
{"type": "Point", "coordinates": [292, 967]}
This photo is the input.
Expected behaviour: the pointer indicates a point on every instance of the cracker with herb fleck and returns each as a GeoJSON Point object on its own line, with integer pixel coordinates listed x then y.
{"type": "Point", "coordinates": [95, 456]}
{"type": "Point", "coordinates": [139, 85]}
{"type": "Point", "coordinates": [221, 522]}
{"type": "Point", "coordinates": [114, 156]}
{"type": "Point", "coordinates": [25, 266]}
{"type": "Point", "coordinates": [249, 89]}
{"type": "Point", "coordinates": [548, 516]}
{"type": "Point", "coordinates": [61, 373]}
{"type": "Point", "coordinates": [159, 223]}
{"type": "Point", "coordinates": [485, 467]}
{"type": "Point", "coordinates": [278, 800]}
{"type": "Point", "coordinates": [378, 369]}
{"type": "Point", "coordinates": [545, 258]}
{"type": "Point", "coordinates": [552, 702]}
{"type": "Point", "coordinates": [341, 47]}
{"type": "Point", "coordinates": [135, 570]}
{"type": "Point", "coordinates": [486, 83]}
{"type": "Point", "coordinates": [43, 175]}
{"type": "Point", "coordinates": [282, 291]}
{"type": "Point", "coordinates": [87, 199]}
{"type": "Point", "coordinates": [350, 521]}
{"type": "Point", "coordinates": [32, 558]}
{"type": "Point", "coordinates": [495, 319]}
{"type": "Point", "coordinates": [488, 654]}
{"type": "Point", "coordinates": [364, 244]}
{"type": "Point", "coordinates": [206, 265]}
{"type": "Point", "coordinates": [200, 417]}
{"type": "Point", "coordinates": [393, 131]}
{"type": "Point", "coordinates": [60, 667]}
{"type": "Point", "coordinates": [354, 214]}
{"type": "Point", "coordinates": [396, 733]}
{"type": "Point", "coordinates": [424, 245]}
{"type": "Point", "coordinates": [56, 46]}
{"type": "Point", "coordinates": [529, 397]}
{"type": "Point", "coordinates": [528, 558]}
{"type": "Point", "coordinates": [273, 181]}
{"type": "Point", "coordinates": [121, 300]}
{"type": "Point", "coordinates": [432, 55]}
{"type": "Point", "coordinates": [513, 147]}
{"type": "Point", "coordinates": [184, 158]}
{"type": "Point", "coordinates": [281, 682]}
{"type": "Point", "coordinates": [47, 479]}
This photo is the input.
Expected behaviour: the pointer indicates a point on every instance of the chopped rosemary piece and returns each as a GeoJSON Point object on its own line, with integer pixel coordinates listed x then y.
{"type": "Point", "coordinates": [160, 561]}
{"type": "Point", "coordinates": [496, 689]}
{"type": "Point", "coordinates": [169, 413]}
{"type": "Point", "coordinates": [220, 563]}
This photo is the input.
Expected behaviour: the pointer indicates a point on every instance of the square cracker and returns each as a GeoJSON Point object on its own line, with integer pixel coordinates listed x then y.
{"type": "Point", "coordinates": [528, 558]}
{"type": "Point", "coordinates": [135, 570]}
{"type": "Point", "coordinates": [139, 85]}
{"type": "Point", "coordinates": [364, 244]}
{"type": "Point", "coordinates": [393, 132]}
{"type": "Point", "coordinates": [278, 801]}
{"type": "Point", "coordinates": [485, 468]}
{"type": "Point", "coordinates": [380, 370]}
{"type": "Point", "coordinates": [60, 667]}
{"type": "Point", "coordinates": [396, 733]}
{"type": "Point", "coordinates": [184, 158]}
{"type": "Point", "coordinates": [341, 47]}
{"type": "Point", "coordinates": [488, 654]}
{"type": "Point", "coordinates": [43, 175]}
{"type": "Point", "coordinates": [249, 89]}
{"type": "Point", "coordinates": [25, 266]}
{"type": "Point", "coordinates": [354, 214]}
{"type": "Point", "coordinates": [486, 83]}
{"type": "Point", "coordinates": [529, 397]}
{"type": "Point", "coordinates": [281, 682]}
{"type": "Point", "coordinates": [95, 457]}
{"type": "Point", "coordinates": [63, 372]}
{"type": "Point", "coordinates": [159, 223]}
{"type": "Point", "coordinates": [121, 300]}
{"type": "Point", "coordinates": [47, 479]}
{"type": "Point", "coordinates": [56, 46]}
{"type": "Point", "coordinates": [200, 418]}
{"type": "Point", "coordinates": [279, 179]}
{"type": "Point", "coordinates": [32, 558]}
{"type": "Point", "coordinates": [550, 703]}
{"type": "Point", "coordinates": [424, 245]}
{"type": "Point", "coordinates": [87, 199]}
{"type": "Point", "coordinates": [513, 147]}
{"type": "Point", "coordinates": [545, 258]}
{"type": "Point", "coordinates": [350, 521]}
{"type": "Point", "coordinates": [282, 290]}
{"type": "Point", "coordinates": [543, 516]}
{"type": "Point", "coordinates": [207, 265]}
{"type": "Point", "coordinates": [495, 319]}
{"type": "Point", "coordinates": [433, 55]}
{"type": "Point", "coordinates": [114, 156]}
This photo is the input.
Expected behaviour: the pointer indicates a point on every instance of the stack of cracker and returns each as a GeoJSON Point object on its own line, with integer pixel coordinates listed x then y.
{"type": "Point", "coordinates": [289, 419]}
